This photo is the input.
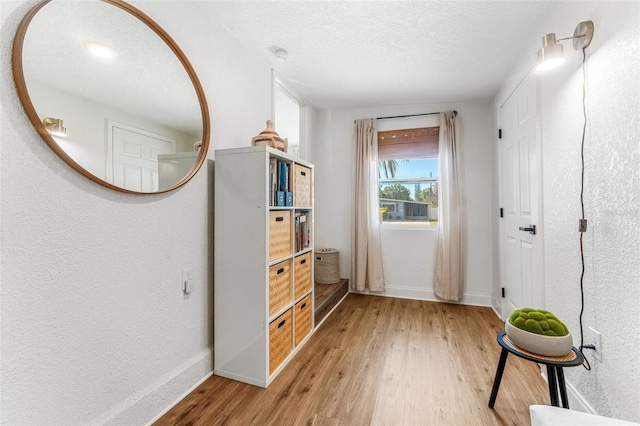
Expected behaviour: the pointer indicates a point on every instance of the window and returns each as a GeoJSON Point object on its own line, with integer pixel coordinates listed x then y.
{"type": "Point", "coordinates": [287, 118]}
{"type": "Point", "coordinates": [408, 175]}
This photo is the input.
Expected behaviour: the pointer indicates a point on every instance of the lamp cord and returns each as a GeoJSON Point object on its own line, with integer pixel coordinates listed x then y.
{"type": "Point", "coordinates": [585, 364]}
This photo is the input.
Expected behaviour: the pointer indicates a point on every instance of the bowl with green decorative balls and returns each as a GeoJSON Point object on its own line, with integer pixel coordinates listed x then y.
{"type": "Point", "coordinates": [538, 331]}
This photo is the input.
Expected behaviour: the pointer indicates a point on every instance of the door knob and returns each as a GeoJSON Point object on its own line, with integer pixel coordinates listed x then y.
{"type": "Point", "coordinates": [530, 229]}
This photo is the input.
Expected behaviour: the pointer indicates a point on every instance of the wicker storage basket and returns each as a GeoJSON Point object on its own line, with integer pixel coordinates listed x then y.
{"type": "Point", "coordinates": [280, 340]}
{"type": "Point", "coordinates": [279, 234]}
{"type": "Point", "coordinates": [302, 319]}
{"type": "Point", "coordinates": [302, 186]}
{"type": "Point", "coordinates": [327, 267]}
{"type": "Point", "coordinates": [302, 274]}
{"type": "Point", "coordinates": [279, 286]}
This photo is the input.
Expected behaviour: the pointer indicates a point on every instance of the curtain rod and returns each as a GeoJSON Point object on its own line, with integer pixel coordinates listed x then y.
{"type": "Point", "coordinates": [455, 114]}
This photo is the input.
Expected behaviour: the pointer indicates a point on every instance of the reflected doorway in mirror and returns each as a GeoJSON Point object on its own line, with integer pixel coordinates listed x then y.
{"type": "Point", "coordinates": [132, 159]}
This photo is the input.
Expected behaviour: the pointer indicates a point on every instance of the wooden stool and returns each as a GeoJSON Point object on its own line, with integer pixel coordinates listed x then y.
{"type": "Point", "coordinates": [554, 365]}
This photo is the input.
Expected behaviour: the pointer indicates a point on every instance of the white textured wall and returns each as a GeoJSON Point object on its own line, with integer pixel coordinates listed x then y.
{"type": "Point", "coordinates": [408, 255]}
{"type": "Point", "coordinates": [95, 327]}
{"type": "Point", "coordinates": [612, 197]}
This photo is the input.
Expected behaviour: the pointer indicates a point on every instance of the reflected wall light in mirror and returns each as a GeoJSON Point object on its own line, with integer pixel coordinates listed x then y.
{"type": "Point", "coordinates": [130, 114]}
{"type": "Point", "coordinates": [54, 126]}
{"type": "Point", "coordinates": [552, 53]}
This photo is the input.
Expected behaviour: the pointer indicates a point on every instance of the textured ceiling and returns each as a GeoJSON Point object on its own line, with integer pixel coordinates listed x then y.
{"type": "Point", "coordinates": [362, 53]}
{"type": "Point", "coordinates": [342, 53]}
{"type": "Point", "coordinates": [145, 79]}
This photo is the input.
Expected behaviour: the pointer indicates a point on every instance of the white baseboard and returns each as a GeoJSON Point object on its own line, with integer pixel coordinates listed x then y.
{"type": "Point", "coordinates": [576, 401]}
{"type": "Point", "coordinates": [162, 395]}
{"type": "Point", "coordinates": [496, 312]}
{"type": "Point", "coordinates": [496, 304]}
{"type": "Point", "coordinates": [427, 295]}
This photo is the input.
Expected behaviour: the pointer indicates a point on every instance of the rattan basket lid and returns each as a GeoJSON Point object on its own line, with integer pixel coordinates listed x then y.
{"type": "Point", "coordinates": [326, 250]}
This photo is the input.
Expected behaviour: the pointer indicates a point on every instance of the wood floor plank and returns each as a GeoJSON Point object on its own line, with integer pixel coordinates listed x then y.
{"type": "Point", "coordinates": [381, 361]}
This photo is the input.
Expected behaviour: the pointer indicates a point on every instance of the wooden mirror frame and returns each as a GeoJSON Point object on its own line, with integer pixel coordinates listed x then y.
{"type": "Point", "coordinates": [23, 95]}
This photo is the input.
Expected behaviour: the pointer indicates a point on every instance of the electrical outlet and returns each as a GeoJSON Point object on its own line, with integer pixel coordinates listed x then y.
{"type": "Point", "coordinates": [595, 338]}
{"type": "Point", "coordinates": [187, 280]}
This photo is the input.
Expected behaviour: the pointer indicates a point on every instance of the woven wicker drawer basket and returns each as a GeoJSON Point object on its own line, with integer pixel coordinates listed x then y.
{"type": "Point", "coordinates": [302, 319]}
{"type": "Point", "coordinates": [280, 340]}
{"type": "Point", "coordinates": [302, 274]}
{"type": "Point", "coordinates": [279, 286]}
{"type": "Point", "coordinates": [279, 234]}
{"type": "Point", "coordinates": [302, 186]}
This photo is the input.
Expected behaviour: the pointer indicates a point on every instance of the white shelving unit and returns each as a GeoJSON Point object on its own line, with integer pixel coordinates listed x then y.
{"type": "Point", "coordinates": [263, 296]}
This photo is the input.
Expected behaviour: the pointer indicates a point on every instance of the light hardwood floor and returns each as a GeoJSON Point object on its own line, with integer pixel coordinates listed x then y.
{"type": "Point", "coordinates": [381, 361]}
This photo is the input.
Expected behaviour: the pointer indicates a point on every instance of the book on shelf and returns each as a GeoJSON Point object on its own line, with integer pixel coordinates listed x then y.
{"type": "Point", "coordinates": [273, 181]}
{"type": "Point", "coordinates": [296, 224]}
{"type": "Point", "coordinates": [279, 183]}
{"type": "Point", "coordinates": [288, 176]}
{"type": "Point", "coordinates": [302, 231]}
{"type": "Point", "coordinates": [283, 177]}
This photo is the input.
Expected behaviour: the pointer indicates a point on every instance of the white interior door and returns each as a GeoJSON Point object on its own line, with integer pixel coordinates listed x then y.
{"type": "Point", "coordinates": [520, 170]}
{"type": "Point", "coordinates": [134, 157]}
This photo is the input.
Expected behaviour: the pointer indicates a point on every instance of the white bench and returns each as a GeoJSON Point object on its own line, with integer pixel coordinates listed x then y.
{"type": "Point", "coordinates": [545, 415]}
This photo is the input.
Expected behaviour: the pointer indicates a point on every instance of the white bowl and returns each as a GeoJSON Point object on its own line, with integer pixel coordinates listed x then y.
{"type": "Point", "coordinates": [539, 343]}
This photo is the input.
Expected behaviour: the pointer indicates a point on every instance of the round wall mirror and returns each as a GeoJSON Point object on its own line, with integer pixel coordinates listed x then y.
{"type": "Point", "coordinates": [112, 94]}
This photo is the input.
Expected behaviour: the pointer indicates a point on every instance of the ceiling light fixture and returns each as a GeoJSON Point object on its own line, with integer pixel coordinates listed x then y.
{"type": "Point", "coordinates": [100, 50]}
{"type": "Point", "coordinates": [54, 126]}
{"type": "Point", "coordinates": [281, 55]}
{"type": "Point", "coordinates": [552, 53]}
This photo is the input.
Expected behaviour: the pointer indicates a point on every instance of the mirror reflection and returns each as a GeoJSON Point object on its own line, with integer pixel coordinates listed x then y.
{"type": "Point", "coordinates": [113, 95]}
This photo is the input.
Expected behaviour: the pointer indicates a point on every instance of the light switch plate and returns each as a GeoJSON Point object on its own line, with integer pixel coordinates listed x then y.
{"type": "Point", "coordinates": [187, 280]}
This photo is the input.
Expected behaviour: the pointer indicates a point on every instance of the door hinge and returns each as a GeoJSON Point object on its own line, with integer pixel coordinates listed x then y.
{"type": "Point", "coordinates": [499, 133]}
{"type": "Point", "coordinates": [501, 212]}
{"type": "Point", "coordinates": [503, 292]}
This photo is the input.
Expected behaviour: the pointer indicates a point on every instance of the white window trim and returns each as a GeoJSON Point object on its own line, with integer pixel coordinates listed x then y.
{"type": "Point", "coordinates": [408, 226]}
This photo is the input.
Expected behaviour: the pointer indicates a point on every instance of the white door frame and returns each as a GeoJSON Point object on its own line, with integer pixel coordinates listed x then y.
{"type": "Point", "coordinates": [538, 290]}
{"type": "Point", "coordinates": [305, 113]}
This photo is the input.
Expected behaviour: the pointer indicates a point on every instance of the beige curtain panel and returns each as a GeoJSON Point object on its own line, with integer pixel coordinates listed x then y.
{"type": "Point", "coordinates": [448, 282]}
{"type": "Point", "coordinates": [367, 250]}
